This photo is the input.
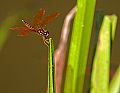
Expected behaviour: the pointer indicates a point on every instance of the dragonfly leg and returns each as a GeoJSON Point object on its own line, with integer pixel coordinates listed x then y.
{"type": "Point", "coordinates": [46, 41]}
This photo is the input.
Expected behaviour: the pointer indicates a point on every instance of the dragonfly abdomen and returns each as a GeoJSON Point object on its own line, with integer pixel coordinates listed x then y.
{"type": "Point", "coordinates": [27, 25]}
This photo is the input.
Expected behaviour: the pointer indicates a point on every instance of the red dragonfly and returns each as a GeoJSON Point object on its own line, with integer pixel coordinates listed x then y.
{"type": "Point", "coordinates": [38, 25]}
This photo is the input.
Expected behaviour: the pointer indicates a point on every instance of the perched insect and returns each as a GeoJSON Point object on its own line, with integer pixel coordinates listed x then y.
{"type": "Point", "coordinates": [38, 25]}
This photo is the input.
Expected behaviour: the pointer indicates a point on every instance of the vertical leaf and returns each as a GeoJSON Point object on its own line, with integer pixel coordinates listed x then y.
{"type": "Point", "coordinates": [79, 46]}
{"type": "Point", "coordinates": [101, 64]}
{"type": "Point", "coordinates": [114, 24]}
{"type": "Point", "coordinates": [51, 68]}
{"type": "Point", "coordinates": [100, 73]}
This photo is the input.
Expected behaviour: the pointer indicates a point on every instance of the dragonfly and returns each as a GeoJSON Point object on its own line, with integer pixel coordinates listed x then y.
{"type": "Point", "coordinates": [38, 25]}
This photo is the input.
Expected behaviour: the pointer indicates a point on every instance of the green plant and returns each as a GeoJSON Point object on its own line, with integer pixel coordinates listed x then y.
{"type": "Point", "coordinates": [51, 68]}
{"type": "Point", "coordinates": [101, 62]}
{"type": "Point", "coordinates": [79, 46]}
{"type": "Point", "coordinates": [115, 83]}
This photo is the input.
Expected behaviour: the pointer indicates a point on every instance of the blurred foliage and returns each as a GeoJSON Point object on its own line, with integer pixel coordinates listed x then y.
{"type": "Point", "coordinates": [102, 59]}
{"type": "Point", "coordinates": [115, 83]}
{"type": "Point", "coordinates": [5, 29]}
{"type": "Point", "coordinates": [101, 62]}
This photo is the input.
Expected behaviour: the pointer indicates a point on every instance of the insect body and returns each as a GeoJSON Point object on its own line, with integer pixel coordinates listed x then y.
{"type": "Point", "coordinates": [37, 26]}
{"type": "Point", "coordinates": [39, 31]}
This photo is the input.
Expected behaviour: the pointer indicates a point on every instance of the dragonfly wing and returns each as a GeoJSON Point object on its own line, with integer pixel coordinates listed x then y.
{"type": "Point", "coordinates": [22, 28]}
{"type": "Point", "coordinates": [19, 28]}
{"type": "Point", "coordinates": [38, 17]}
{"type": "Point", "coordinates": [49, 18]}
{"type": "Point", "coordinates": [23, 34]}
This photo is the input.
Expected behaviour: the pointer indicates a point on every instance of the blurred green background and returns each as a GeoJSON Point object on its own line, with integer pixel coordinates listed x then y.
{"type": "Point", "coordinates": [23, 60]}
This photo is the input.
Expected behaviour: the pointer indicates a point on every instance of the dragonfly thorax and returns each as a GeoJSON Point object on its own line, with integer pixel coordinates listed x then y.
{"type": "Point", "coordinates": [43, 32]}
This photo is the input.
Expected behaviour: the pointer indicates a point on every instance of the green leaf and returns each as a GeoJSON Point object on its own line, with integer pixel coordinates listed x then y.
{"type": "Point", "coordinates": [51, 68]}
{"type": "Point", "coordinates": [114, 24]}
{"type": "Point", "coordinates": [79, 46]}
{"type": "Point", "coordinates": [115, 83]}
{"type": "Point", "coordinates": [101, 63]}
